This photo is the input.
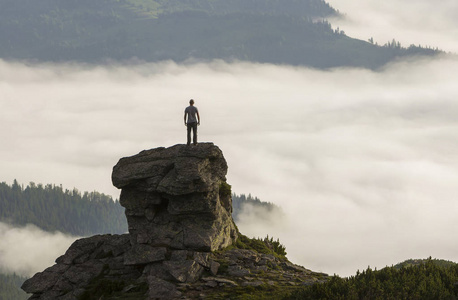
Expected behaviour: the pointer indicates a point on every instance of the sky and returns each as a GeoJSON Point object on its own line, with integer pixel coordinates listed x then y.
{"type": "Point", "coordinates": [363, 164]}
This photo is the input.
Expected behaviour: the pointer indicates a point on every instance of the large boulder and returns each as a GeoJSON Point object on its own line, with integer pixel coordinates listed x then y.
{"type": "Point", "coordinates": [178, 207]}
{"type": "Point", "coordinates": [177, 197]}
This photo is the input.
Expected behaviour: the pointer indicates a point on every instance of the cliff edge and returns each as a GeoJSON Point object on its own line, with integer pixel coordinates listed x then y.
{"type": "Point", "coordinates": [177, 198]}
{"type": "Point", "coordinates": [182, 241]}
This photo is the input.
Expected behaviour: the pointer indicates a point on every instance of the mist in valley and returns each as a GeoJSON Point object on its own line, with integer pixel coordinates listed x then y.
{"type": "Point", "coordinates": [362, 163]}
{"type": "Point", "coordinates": [28, 249]}
{"type": "Point", "coordinates": [418, 22]}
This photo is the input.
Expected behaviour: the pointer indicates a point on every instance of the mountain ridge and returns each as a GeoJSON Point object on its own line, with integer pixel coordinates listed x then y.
{"type": "Point", "coordinates": [267, 31]}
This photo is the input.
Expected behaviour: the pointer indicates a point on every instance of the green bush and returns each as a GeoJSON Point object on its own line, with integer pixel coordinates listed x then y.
{"type": "Point", "coordinates": [426, 280]}
{"type": "Point", "coordinates": [266, 245]}
{"type": "Point", "coordinates": [225, 189]}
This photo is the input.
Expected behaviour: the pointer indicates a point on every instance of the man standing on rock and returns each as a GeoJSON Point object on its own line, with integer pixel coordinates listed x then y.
{"type": "Point", "coordinates": [191, 121]}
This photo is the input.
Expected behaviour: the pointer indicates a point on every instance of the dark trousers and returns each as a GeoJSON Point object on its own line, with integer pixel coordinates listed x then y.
{"type": "Point", "coordinates": [192, 126]}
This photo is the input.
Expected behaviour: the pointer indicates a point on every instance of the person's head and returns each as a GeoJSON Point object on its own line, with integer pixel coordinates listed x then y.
{"type": "Point", "coordinates": [191, 102]}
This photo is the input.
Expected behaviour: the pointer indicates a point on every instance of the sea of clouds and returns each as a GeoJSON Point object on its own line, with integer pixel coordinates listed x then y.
{"type": "Point", "coordinates": [363, 163]}
{"type": "Point", "coordinates": [28, 249]}
{"type": "Point", "coordinates": [419, 22]}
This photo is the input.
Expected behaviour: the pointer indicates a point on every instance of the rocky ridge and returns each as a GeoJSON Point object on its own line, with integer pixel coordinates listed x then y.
{"type": "Point", "coordinates": [182, 241]}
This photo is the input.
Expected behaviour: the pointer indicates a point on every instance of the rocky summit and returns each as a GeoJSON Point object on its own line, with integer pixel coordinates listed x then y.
{"type": "Point", "coordinates": [182, 241]}
{"type": "Point", "coordinates": [177, 198]}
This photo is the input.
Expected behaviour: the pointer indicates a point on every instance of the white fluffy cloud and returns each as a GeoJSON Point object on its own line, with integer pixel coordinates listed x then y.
{"type": "Point", "coordinates": [363, 163]}
{"type": "Point", "coordinates": [426, 22]}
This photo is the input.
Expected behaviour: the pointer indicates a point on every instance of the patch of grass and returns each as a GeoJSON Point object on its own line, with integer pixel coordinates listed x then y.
{"type": "Point", "coordinates": [225, 189]}
{"type": "Point", "coordinates": [223, 266]}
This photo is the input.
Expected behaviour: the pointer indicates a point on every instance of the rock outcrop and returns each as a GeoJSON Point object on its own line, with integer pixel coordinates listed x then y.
{"type": "Point", "coordinates": [177, 198]}
{"type": "Point", "coordinates": [178, 207]}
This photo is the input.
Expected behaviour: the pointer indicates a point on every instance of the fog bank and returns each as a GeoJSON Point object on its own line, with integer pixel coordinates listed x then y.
{"type": "Point", "coordinates": [362, 163]}
{"type": "Point", "coordinates": [28, 250]}
{"type": "Point", "coordinates": [425, 22]}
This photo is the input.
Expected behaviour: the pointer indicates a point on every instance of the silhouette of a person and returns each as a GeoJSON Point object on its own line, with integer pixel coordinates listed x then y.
{"type": "Point", "coordinates": [191, 122]}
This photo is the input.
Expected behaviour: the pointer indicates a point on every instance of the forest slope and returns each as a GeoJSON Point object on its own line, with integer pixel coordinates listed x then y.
{"type": "Point", "coordinates": [52, 208]}
{"type": "Point", "coordinates": [269, 31]}
{"type": "Point", "coordinates": [423, 279]}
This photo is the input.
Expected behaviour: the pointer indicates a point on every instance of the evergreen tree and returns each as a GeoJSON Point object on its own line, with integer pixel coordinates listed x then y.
{"type": "Point", "coordinates": [10, 287]}
{"type": "Point", "coordinates": [239, 201]}
{"type": "Point", "coordinates": [429, 279]}
{"type": "Point", "coordinates": [52, 208]}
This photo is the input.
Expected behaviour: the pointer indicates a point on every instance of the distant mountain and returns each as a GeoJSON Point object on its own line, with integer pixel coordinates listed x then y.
{"type": "Point", "coordinates": [267, 31]}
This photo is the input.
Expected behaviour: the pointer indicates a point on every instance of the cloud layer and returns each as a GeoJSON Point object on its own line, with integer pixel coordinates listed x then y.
{"type": "Point", "coordinates": [363, 163]}
{"type": "Point", "coordinates": [425, 22]}
{"type": "Point", "coordinates": [28, 250]}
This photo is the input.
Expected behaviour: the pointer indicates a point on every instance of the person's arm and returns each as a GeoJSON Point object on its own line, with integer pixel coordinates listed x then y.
{"type": "Point", "coordinates": [198, 118]}
{"type": "Point", "coordinates": [185, 118]}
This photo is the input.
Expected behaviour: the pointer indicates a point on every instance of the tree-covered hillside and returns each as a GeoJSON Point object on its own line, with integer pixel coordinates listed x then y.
{"type": "Point", "coordinates": [10, 287]}
{"type": "Point", "coordinates": [426, 279]}
{"type": "Point", "coordinates": [53, 209]}
{"type": "Point", "coordinates": [271, 31]}
{"type": "Point", "coordinates": [257, 209]}
{"type": "Point", "coordinates": [416, 262]}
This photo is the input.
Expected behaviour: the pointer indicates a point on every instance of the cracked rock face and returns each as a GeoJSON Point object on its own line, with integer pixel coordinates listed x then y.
{"type": "Point", "coordinates": [178, 207]}
{"type": "Point", "coordinates": [177, 197]}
